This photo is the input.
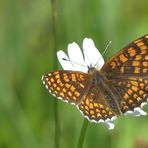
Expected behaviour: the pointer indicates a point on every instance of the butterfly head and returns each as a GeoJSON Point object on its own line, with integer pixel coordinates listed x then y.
{"type": "Point", "coordinates": [92, 70]}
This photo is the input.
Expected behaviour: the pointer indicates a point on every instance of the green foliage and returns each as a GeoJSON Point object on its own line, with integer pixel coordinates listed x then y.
{"type": "Point", "coordinates": [27, 51]}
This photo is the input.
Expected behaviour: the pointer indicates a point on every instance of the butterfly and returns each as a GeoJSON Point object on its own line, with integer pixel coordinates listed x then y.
{"type": "Point", "coordinates": [119, 87]}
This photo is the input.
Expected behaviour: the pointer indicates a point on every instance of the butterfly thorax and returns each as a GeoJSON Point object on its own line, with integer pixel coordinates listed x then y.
{"type": "Point", "coordinates": [108, 94]}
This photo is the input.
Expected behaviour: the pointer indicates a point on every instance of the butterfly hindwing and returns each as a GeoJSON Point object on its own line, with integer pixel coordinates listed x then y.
{"type": "Point", "coordinates": [94, 106]}
{"type": "Point", "coordinates": [133, 92]}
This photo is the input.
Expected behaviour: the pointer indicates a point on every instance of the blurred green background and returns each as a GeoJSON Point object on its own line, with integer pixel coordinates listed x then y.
{"type": "Point", "coordinates": [27, 51]}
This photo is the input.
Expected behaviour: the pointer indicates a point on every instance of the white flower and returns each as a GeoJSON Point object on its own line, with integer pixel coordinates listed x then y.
{"type": "Point", "coordinates": [76, 60]}
{"type": "Point", "coordinates": [75, 57]}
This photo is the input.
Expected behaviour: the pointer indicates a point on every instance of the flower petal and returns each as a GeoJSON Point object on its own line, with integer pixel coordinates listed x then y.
{"type": "Point", "coordinates": [109, 125]}
{"type": "Point", "coordinates": [76, 57]}
{"type": "Point", "coordinates": [92, 55]}
{"type": "Point", "coordinates": [66, 65]}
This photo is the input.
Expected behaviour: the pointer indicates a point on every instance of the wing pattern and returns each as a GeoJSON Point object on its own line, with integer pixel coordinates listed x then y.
{"type": "Point", "coordinates": [132, 59]}
{"type": "Point", "coordinates": [133, 92]}
{"type": "Point", "coordinates": [94, 107]}
{"type": "Point", "coordinates": [68, 86]}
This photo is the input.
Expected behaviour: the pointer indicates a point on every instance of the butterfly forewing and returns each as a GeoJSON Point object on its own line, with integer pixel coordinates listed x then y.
{"type": "Point", "coordinates": [132, 59]}
{"type": "Point", "coordinates": [68, 86]}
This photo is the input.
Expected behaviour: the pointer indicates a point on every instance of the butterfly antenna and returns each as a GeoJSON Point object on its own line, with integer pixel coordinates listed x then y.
{"type": "Point", "coordinates": [106, 48]}
{"type": "Point", "coordinates": [109, 43]}
{"type": "Point", "coordinates": [74, 62]}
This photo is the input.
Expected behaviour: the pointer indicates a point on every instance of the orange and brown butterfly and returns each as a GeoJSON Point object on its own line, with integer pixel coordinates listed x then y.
{"type": "Point", "coordinates": [101, 91]}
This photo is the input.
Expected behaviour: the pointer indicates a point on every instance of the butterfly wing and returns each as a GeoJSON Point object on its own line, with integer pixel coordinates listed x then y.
{"type": "Point", "coordinates": [128, 73]}
{"type": "Point", "coordinates": [94, 106]}
{"type": "Point", "coordinates": [68, 86]}
{"type": "Point", "coordinates": [133, 59]}
{"type": "Point", "coordinates": [133, 91]}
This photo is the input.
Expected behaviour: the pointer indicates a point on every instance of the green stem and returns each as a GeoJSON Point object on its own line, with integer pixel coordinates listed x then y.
{"type": "Point", "coordinates": [82, 134]}
{"type": "Point", "coordinates": [54, 34]}
{"type": "Point", "coordinates": [57, 126]}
